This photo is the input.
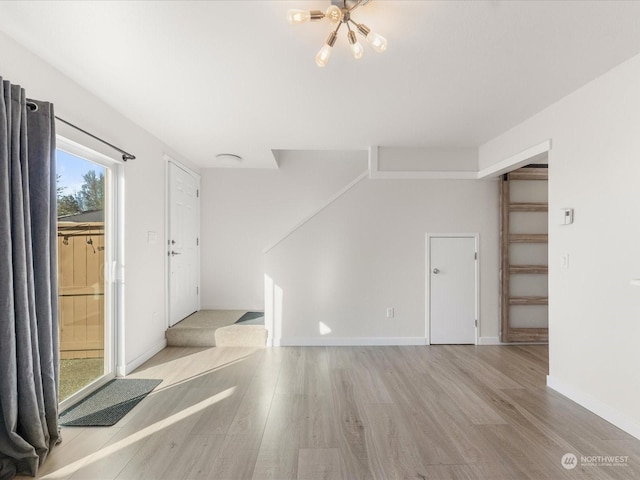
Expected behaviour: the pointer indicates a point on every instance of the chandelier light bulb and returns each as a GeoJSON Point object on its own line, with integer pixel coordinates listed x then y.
{"type": "Point", "coordinates": [377, 42]}
{"type": "Point", "coordinates": [297, 17]}
{"type": "Point", "coordinates": [322, 58]}
{"type": "Point", "coordinates": [334, 14]}
{"type": "Point", "coordinates": [356, 47]}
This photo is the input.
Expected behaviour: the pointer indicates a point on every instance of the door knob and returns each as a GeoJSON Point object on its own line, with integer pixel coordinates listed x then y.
{"type": "Point", "coordinates": [173, 254]}
{"type": "Point", "coordinates": [436, 271]}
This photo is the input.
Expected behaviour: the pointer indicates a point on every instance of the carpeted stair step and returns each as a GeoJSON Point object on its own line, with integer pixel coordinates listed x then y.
{"type": "Point", "coordinates": [191, 337]}
{"type": "Point", "coordinates": [210, 328]}
{"type": "Point", "coordinates": [241, 336]}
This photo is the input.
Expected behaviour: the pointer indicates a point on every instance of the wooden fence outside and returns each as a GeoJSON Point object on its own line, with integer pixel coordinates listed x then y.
{"type": "Point", "coordinates": [81, 289]}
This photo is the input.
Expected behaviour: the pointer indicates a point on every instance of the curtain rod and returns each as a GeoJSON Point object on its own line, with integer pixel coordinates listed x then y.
{"type": "Point", "coordinates": [125, 155]}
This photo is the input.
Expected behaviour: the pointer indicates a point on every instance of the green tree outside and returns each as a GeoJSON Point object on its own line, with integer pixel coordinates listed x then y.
{"type": "Point", "coordinates": [89, 198]}
{"type": "Point", "coordinates": [91, 195]}
{"type": "Point", "coordinates": [68, 205]}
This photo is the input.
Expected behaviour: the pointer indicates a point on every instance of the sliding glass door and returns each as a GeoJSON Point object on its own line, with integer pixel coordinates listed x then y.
{"type": "Point", "coordinates": [86, 254]}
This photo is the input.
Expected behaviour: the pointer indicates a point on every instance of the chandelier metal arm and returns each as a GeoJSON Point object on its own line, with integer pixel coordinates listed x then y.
{"type": "Point", "coordinates": [338, 13]}
{"type": "Point", "coordinates": [363, 29]}
{"type": "Point", "coordinates": [337, 28]}
{"type": "Point", "coordinates": [355, 3]}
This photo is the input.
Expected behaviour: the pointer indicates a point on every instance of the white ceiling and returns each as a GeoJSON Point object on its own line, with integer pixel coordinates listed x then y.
{"type": "Point", "coordinates": [233, 76]}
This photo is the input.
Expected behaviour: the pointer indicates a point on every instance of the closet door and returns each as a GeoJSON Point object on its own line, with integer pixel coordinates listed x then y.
{"type": "Point", "coordinates": [452, 290]}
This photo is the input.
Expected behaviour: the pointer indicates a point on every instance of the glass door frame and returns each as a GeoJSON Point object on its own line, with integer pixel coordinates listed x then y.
{"type": "Point", "coordinates": [113, 261]}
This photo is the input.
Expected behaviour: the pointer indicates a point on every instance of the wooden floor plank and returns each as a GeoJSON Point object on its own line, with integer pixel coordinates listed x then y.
{"type": "Point", "coordinates": [236, 457]}
{"type": "Point", "coordinates": [195, 458]}
{"type": "Point", "coordinates": [437, 412]}
{"type": "Point", "coordinates": [320, 464]}
{"type": "Point", "coordinates": [353, 442]}
{"type": "Point", "coordinates": [107, 462]}
{"type": "Point", "coordinates": [421, 406]}
{"type": "Point", "coordinates": [66, 459]}
{"type": "Point", "coordinates": [477, 411]}
{"type": "Point", "coordinates": [278, 454]}
{"type": "Point", "coordinates": [393, 452]}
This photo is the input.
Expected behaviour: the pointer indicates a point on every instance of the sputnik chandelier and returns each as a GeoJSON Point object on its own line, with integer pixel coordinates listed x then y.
{"type": "Point", "coordinates": [340, 15]}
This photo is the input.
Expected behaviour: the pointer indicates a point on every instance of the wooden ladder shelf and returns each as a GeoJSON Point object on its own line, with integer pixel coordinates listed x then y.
{"type": "Point", "coordinates": [508, 332]}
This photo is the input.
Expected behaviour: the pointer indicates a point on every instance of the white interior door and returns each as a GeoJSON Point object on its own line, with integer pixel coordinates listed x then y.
{"type": "Point", "coordinates": [183, 244]}
{"type": "Point", "coordinates": [452, 296]}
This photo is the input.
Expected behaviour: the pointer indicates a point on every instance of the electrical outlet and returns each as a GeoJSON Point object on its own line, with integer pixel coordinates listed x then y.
{"type": "Point", "coordinates": [390, 312]}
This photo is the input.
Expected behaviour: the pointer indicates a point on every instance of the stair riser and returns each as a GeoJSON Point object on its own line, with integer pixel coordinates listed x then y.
{"type": "Point", "coordinates": [199, 337]}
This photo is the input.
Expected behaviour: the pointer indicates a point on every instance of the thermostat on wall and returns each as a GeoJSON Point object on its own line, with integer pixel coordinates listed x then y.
{"type": "Point", "coordinates": [566, 216]}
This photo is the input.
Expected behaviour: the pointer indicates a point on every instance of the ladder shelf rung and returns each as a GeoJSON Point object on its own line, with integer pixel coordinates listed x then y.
{"type": "Point", "coordinates": [529, 174]}
{"type": "Point", "coordinates": [528, 300]}
{"type": "Point", "coordinates": [527, 335]}
{"type": "Point", "coordinates": [528, 238]}
{"type": "Point", "coordinates": [536, 269]}
{"type": "Point", "coordinates": [528, 207]}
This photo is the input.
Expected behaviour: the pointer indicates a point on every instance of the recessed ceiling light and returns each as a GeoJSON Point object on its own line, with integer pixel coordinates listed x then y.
{"type": "Point", "coordinates": [229, 158]}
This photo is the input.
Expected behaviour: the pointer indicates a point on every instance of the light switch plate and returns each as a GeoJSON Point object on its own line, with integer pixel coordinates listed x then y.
{"type": "Point", "coordinates": [566, 216]}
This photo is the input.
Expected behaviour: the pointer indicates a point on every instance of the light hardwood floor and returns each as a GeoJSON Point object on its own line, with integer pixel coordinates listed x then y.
{"type": "Point", "coordinates": [442, 412]}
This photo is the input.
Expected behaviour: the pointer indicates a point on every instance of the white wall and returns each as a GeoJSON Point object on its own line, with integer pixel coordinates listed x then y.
{"type": "Point", "coordinates": [366, 252]}
{"type": "Point", "coordinates": [144, 313]}
{"type": "Point", "coordinates": [395, 159]}
{"type": "Point", "coordinates": [245, 211]}
{"type": "Point", "coordinates": [594, 313]}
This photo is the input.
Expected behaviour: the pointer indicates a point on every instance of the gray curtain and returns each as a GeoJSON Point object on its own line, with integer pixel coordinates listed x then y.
{"type": "Point", "coordinates": [29, 348]}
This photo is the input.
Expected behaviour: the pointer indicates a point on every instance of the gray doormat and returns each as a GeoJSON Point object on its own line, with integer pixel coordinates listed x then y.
{"type": "Point", "coordinates": [109, 403]}
{"type": "Point", "coordinates": [251, 318]}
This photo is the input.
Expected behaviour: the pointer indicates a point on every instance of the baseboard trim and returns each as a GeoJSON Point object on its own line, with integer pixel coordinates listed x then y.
{"type": "Point", "coordinates": [496, 341]}
{"type": "Point", "coordinates": [124, 370]}
{"type": "Point", "coordinates": [227, 307]}
{"type": "Point", "coordinates": [596, 406]}
{"type": "Point", "coordinates": [348, 341]}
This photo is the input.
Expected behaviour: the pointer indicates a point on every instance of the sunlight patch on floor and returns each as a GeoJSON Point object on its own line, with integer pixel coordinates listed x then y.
{"type": "Point", "coordinates": [70, 469]}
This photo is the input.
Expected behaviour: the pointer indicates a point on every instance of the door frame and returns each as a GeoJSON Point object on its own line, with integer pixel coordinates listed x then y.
{"type": "Point", "coordinates": [114, 265]}
{"type": "Point", "coordinates": [167, 230]}
{"type": "Point", "coordinates": [427, 275]}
